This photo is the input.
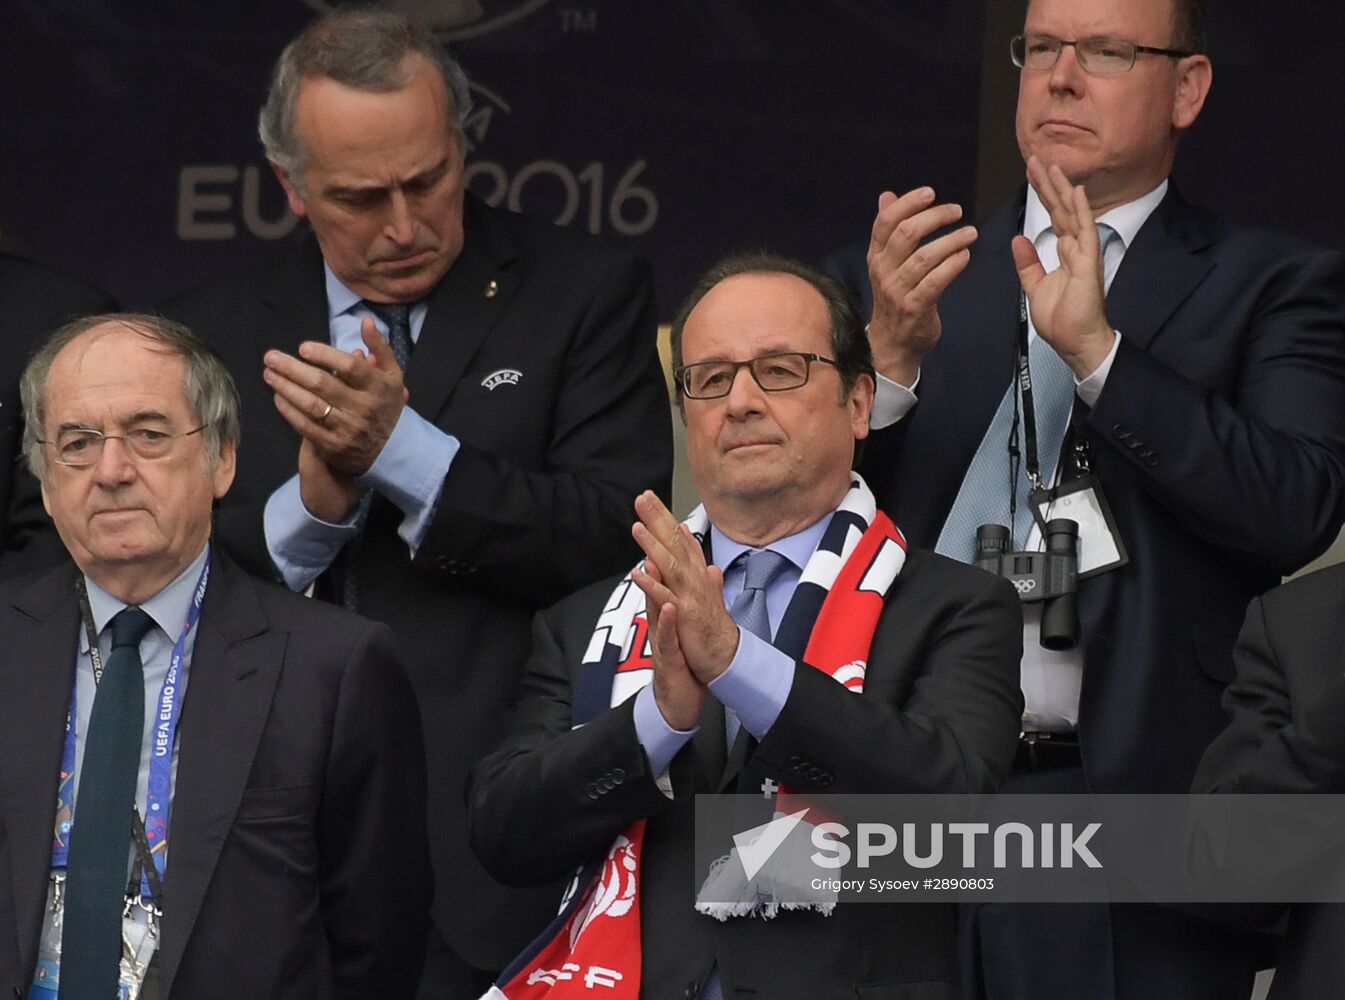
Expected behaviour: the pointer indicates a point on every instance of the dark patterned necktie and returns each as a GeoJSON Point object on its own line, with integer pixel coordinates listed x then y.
{"type": "Point", "coordinates": [101, 836]}
{"type": "Point", "coordinates": [396, 316]}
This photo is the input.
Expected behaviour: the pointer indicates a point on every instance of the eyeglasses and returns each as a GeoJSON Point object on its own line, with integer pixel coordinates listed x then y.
{"type": "Point", "coordinates": [1098, 56]}
{"type": "Point", "coordinates": [83, 446]}
{"type": "Point", "coordinates": [773, 372]}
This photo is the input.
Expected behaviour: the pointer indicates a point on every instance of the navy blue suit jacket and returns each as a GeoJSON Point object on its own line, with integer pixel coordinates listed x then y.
{"type": "Point", "coordinates": [1219, 440]}
{"type": "Point", "coordinates": [298, 810]}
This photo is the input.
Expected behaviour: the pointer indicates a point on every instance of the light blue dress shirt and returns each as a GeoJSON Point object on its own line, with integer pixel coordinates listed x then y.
{"type": "Point", "coordinates": [409, 471]}
{"type": "Point", "coordinates": [758, 679]}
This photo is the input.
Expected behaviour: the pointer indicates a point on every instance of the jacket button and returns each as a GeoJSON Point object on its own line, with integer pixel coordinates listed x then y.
{"type": "Point", "coordinates": [592, 790]}
{"type": "Point", "coordinates": [692, 991]}
{"type": "Point", "coordinates": [618, 775]}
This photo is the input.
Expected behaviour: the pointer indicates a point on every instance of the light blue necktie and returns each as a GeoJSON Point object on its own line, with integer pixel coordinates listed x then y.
{"type": "Point", "coordinates": [760, 568]}
{"type": "Point", "coordinates": [984, 495]}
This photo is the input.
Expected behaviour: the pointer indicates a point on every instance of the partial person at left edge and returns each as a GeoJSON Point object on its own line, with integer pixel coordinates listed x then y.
{"type": "Point", "coordinates": [210, 788]}
{"type": "Point", "coordinates": [34, 300]}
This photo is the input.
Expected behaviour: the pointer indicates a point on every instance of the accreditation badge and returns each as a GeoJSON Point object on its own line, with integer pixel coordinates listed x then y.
{"type": "Point", "coordinates": [139, 942]}
{"type": "Point", "coordinates": [1081, 500]}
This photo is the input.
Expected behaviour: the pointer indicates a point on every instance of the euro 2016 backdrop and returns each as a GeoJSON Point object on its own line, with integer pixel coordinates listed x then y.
{"type": "Point", "coordinates": [684, 128]}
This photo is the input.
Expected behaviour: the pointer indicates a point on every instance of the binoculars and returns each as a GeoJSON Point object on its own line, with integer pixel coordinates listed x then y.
{"type": "Point", "coordinates": [1050, 577]}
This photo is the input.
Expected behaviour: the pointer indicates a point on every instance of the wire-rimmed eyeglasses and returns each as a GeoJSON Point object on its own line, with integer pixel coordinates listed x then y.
{"type": "Point", "coordinates": [83, 446]}
{"type": "Point", "coordinates": [1099, 56]}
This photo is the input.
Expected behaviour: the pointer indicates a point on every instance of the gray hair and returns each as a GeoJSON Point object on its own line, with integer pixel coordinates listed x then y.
{"type": "Point", "coordinates": [211, 393]}
{"type": "Point", "coordinates": [363, 49]}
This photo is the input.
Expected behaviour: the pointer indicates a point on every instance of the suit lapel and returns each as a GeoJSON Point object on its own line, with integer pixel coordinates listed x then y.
{"type": "Point", "coordinates": [1160, 270]}
{"type": "Point", "coordinates": [36, 672]}
{"type": "Point", "coordinates": [961, 384]}
{"type": "Point", "coordinates": [983, 347]}
{"type": "Point", "coordinates": [737, 758]}
{"type": "Point", "coordinates": [708, 742]}
{"type": "Point", "coordinates": [234, 669]}
{"type": "Point", "coordinates": [463, 308]}
{"type": "Point", "coordinates": [297, 296]}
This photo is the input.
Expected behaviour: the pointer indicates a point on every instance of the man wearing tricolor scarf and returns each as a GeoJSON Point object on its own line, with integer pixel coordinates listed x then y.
{"type": "Point", "coordinates": [781, 637]}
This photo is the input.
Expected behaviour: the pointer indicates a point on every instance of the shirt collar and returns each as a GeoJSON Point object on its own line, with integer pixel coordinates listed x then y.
{"type": "Point", "coordinates": [168, 607]}
{"type": "Point", "coordinates": [1126, 219]}
{"type": "Point", "coordinates": [340, 299]}
{"type": "Point", "coordinates": [798, 548]}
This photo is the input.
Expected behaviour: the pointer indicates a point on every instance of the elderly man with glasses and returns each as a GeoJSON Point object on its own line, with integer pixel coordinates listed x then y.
{"type": "Point", "coordinates": [210, 787]}
{"type": "Point", "coordinates": [1186, 389]}
{"type": "Point", "coordinates": [782, 636]}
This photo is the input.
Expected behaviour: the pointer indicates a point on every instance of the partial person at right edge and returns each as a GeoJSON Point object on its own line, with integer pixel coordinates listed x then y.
{"type": "Point", "coordinates": [1287, 735]}
{"type": "Point", "coordinates": [34, 300]}
{"type": "Point", "coordinates": [1199, 365]}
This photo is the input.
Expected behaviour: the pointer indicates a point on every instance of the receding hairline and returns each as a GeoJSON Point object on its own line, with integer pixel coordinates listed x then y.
{"type": "Point", "coordinates": [86, 338]}
{"type": "Point", "coordinates": [823, 317]}
{"type": "Point", "coordinates": [439, 92]}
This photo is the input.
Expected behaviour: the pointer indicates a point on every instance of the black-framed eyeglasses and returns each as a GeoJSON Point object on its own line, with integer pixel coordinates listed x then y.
{"type": "Point", "coordinates": [1099, 56]}
{"type": "Point", "coordinates": [83, 446]}
{"type": "Point", "coordinates": [773, 372]}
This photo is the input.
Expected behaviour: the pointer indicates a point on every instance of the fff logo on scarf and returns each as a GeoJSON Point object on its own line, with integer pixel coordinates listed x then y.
{"type": "Point", "coordinates": [614, 893]}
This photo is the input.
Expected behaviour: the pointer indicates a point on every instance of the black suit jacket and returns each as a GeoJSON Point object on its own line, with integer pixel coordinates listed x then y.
{"type": "Point", "coordinates": [1287, 734]}
{"type": "Point", "coordinates": [298, 807]}
{"type": "Point", "coordinates": [1219, 440]}
{"type": "Point", "coordinates": [939, 713]}
{"type": "Point", "coordinates": [33, 302]}
{"type": "Point", "coordinates": [537, 503]}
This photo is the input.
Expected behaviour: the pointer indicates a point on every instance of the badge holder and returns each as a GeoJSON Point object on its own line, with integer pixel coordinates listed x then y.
{"type": "Point", "coordinates": [139, 934]}
{"type": "Point", "coordinates": [1082, 500]}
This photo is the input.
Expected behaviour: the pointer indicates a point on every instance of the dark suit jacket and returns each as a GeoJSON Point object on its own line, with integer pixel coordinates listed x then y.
{"type": "Point", "coordinates": [1219, 440]}
{"type": "Point", "coordinates": [939, 713]}
{"type": "Point", "coordinates": [1287, 734]}
{"type": "Point", "coordinates": [537, 503]}
{"type": "Point", "coordinates": [33, 302]}
{"type": "Point", "coordinates": [297, 831]}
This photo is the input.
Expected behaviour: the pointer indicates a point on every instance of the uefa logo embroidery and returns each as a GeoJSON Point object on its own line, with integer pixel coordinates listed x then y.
{"type": "Point", "coordinates": [501, 376]}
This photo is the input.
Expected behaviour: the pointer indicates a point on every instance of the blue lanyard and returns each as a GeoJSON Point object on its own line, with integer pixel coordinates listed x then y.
{"type": "Point", "coordinates": [159, 795]}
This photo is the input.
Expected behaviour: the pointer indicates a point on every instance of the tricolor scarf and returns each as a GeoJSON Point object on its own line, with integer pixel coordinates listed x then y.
{"type": "Point", "coordinates": [594, 942]}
